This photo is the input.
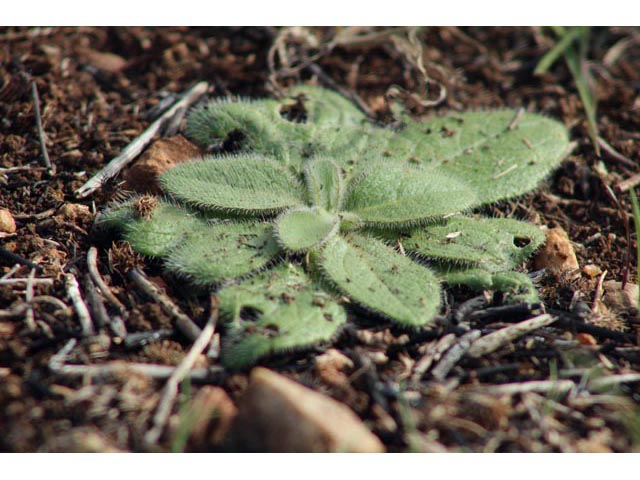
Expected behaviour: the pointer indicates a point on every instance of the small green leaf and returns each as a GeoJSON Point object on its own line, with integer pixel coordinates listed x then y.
{"type": "Point", "coordinates": [494, 244]}
{"type": "Point", "coordinates": [325, 107]}
{"type": "Point", "coordinates": [395, 195]}
{"type": "Point", "coordinates": [303, 228]}
{"type": "Point", "coordinates": [243, 184]}
{"type": "Point", "coordinates": [293, 311]}
{"type": "Point", "coordinates": [325, 184]}
{"type": "Point", "coordinates": [223, 251]}
{"type": "Point", "coordinates": [379, 278]}
{"type": "Point", "coordinates": [163, 230]}
{"type": "Point", "coordinates": [518, 286]}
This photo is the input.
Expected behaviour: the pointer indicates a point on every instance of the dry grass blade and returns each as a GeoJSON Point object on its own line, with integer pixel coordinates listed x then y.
{"type": "Point", "coordinates": [636, 222]}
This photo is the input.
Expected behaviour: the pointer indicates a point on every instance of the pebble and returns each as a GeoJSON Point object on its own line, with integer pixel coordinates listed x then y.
{"type": "Point", "coordinates": [557, 255]}
{"type": "Point", "coordinates": [161, 155]}
{"type": "Point", "coordinates": [7, 223]}
{"type": "Point", "coordinates": [277, 414]}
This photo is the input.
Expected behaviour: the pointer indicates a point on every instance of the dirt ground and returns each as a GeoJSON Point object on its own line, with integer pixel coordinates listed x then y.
{"type": "Point", "coordinates": [98, 89]}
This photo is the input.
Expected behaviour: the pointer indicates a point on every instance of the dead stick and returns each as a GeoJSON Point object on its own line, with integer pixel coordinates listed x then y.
{"type": "Point", "coordinates": [58, 365]}
{"type": "Point", "coordinates": [92, 265]}
{"type": "Point", "coordinates": [433, 353]}
{"type": "Point", "coordinates": [493, 341]}
{"type": "Point", "coordinates": [183, 322]}
{"type": "Point", "coordinates": [73, 292]}
{"type": "Point", "coordinates": [29, 316]}
{"type": "Point", "coordinates": [613, 153]}
{"type": "Point", "coordinates": [134, 149]}
{"type": "Point", "coordinates": [170, 391]}
{"type": "Point", "coordinates": [629, 183]}
{"type": "Point", "coordinates": [541, 386]}
{"type": "Point", "coordinates": [455, 353]}
{"type": "Point", "coordinates": [41, 135]}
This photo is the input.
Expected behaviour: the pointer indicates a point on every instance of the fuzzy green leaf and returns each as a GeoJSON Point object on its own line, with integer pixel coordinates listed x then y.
{"type": "Point", "coordinates": [499, 154]}
{"type": "Point", "coordinates": [380, 279]}
{"type": "Point", "coordinates": [293, 311]}
{"type": "Point", "coordinates": [493, 244]}
{"type": "Point", "coordinates": [303, 228]}
{"type": "Point", "coordinates": [518, 286]}
{"type": "Point", "coordinates": [324, 107]}
{"type": "Point", "coordinates": [223, 251]}
{"type": "Point", "coordinates": [243, 184]}
{"type": "Point", "coordinates": [395, 195]}
{"type": "Point", "coordinates": [163, 230]}
{"type": "Point", "coordinates": [325, 184]}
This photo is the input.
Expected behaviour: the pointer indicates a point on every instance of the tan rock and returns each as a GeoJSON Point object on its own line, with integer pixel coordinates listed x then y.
{"type": "Point", "coordinates": [557, 255]}
{"type": "Point", "coordinates": [105, 61]}
{"type": "Point", "coordinates": [330, 367]}
{"type": "Point", "coordinates": [7, 223]}
{"type": "Point", "coordinates": [74, 212]}
{"type": "Point", "coordinates": [161, 155]}
{"type": "Point", "coordinates": [214, 412]}
{"type": "Point", "coordinates": [617, 299]}
{"type": "Point", "coordinates": [277, 414]}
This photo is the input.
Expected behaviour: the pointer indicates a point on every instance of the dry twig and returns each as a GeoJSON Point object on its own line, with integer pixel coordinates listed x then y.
{"type": "Point", "coordinates": [170, 391]}
{"type": "Point", "coordinates": [92, 265]}
{"type": "Point", "coordinates": [73, 291]}
{"type": "Point", "coordinates": [183, 322]}
{"type": "Point", "coordinates": [454, 354]}
{"type": "Point", "coordinates": [493, 341]}
{"type": "Point", "coordinates": [58, 365]}
{"type": "Point", "coordinates": [41, 135]}
{"type": "Point", "coordinates": [132, 150]}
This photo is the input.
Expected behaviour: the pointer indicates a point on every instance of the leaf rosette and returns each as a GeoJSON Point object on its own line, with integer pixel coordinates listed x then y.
{"type": "Point", "coordinates": [307, 212]}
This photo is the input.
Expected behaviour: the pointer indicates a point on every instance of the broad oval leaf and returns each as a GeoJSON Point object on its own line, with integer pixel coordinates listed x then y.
{"type": "Point", "coordinates": [224, 251]}
{"type": "Point", "coordinates": [325, 184]}
{"type": "Point", "coordinates": [392, 195]}
{"type": "Point", "coordinates": [494, 244]}
{"type": "Point", "coordinates": [240, 184]}
{"type": "Point", "coordinates": [378, 278]}
{"type": "Point", "coordinates": [303, 228]}
{"type": "Point", "coordinates": [294, 313]}
{"type": "Point", "coordinates": [164, 228]}
{"type": "Point", "coordinates": [499, 154]}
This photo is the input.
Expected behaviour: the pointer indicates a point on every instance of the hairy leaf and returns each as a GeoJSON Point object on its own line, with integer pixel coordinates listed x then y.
{"type": "Point", "coordinates": [494, 244]}
{"type": "Point", "coordinates": [325, 184]}
{"type": "Point", "coordinates": [303, 228]}
{"type": "Point", "coordinates": [395, 195]}
{"type": "Point", "coordinates": [380, 279]}
{"type": "Point", "coordinates": [324, 107]}
{"type": "Point", "coordinates": [294, 313]}
{"type": "Point", "coordinates": [165, 227]}
{"type": "Point", "coordinates": [518, 286]}
{"type": "Point", "coordinates": [223, 251]}
{"type": "Point", "coordinates": [235, 184]}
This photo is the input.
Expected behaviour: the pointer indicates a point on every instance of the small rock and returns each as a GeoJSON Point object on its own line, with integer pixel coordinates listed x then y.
{"type": "Point", "coordinates": [105, 61]}
{"type": "Point", "coordinates": [214, 412]}
{"type": "Point", "coordinates": [7, 223]}
{"type": "Point", "coordinates": [557, 255]}
{"type": "Point", "coordinates": [591, 270]}
{"type": "Point", "coordinates": [74, 212]}
{"type": "Point", "coordinates": [81, 440]}
{"type": "Point", "coordinates": [586, 339]}
{"type": "Point", "coordinates": [330, 367]}
{"type": "Point", "coordinates": [617, 299]}
{"type": "Point", "coordinates": [279, 415]}
{"type": "Point", "coordinates": [161, 155]}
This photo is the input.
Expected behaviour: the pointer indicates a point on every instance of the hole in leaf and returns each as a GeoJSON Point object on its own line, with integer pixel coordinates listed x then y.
{"type": "Point", "coordinates": [521, 242]}
{"type": "Point", "coordinates": [233, 142]}
{"type": "Point", "coordinates": [294, 112]}
{"type": "Point", "coordinates": [249, 313]}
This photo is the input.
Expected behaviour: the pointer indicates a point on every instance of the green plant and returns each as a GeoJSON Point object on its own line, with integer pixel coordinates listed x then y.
{"type": "Point", "coordinates": [316, 207]}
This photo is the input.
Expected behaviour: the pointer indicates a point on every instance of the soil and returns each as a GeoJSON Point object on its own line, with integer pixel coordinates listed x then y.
{"type": "Point", "coordinates": [97, 91]}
